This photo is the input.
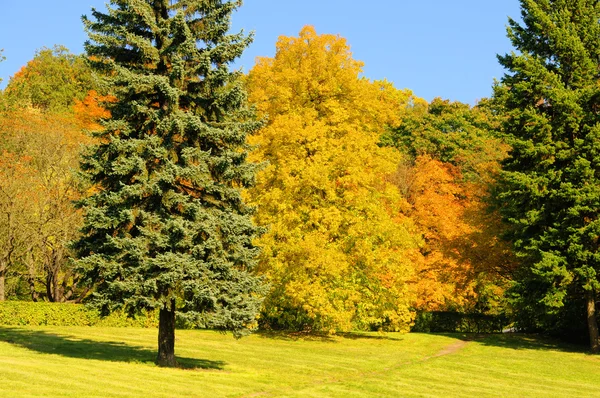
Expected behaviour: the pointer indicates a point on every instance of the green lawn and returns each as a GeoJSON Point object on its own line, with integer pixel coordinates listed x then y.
{"type": "Point", "coordinates": [112, 362]}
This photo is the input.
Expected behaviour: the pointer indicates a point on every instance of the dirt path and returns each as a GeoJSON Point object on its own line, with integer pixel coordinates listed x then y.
{"type": "Point", "coordinates": [450, 349]}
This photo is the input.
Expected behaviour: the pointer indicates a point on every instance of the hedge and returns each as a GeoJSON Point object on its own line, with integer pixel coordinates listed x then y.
{"type": "Point", "coordinates": [449, 322]}
{"type": "Point", "coordinates": [20, 313]}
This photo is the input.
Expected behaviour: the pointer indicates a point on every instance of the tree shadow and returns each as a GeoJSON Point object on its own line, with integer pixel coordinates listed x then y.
{"type": "Point", "coordinates": [322, 337]}
{"type": "Point", "coordinates": [371, 336]}
{"type": "Point", "coordinates": [520, 341]}
{"type": "Point", "coordinates": [75, 347]}
{"type": "Point", "coordinates": [295, 336]}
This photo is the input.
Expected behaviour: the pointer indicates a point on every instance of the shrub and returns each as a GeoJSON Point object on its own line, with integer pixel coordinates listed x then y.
{"type": "Point", "coordinates": [19, 313]}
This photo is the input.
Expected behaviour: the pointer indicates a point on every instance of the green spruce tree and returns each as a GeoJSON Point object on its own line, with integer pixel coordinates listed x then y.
{"type": "Point", "coordinates": [166, 227]}
{"type": "Point", "coordinates": [550, 188]}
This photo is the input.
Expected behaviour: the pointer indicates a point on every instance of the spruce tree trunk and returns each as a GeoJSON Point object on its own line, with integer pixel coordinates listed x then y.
{"type": "Point", "coordinates": [166, 336]}
{"type": "Point", "coordinates": [592, 322]}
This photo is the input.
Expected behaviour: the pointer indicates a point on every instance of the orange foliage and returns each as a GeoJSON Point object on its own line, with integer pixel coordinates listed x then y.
{"type": "Point", "coordinates": [439, 206]}
{"type": "Point", "coordinates": [461, 244]}
{"type": "Point", "coordinates": [29, 122]}
{"type": "Point", "coordinates": [90, 111]}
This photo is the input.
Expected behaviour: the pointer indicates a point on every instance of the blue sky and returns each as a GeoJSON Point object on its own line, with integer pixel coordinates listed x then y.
{"type": "Point", "coordinates": [436, 48]}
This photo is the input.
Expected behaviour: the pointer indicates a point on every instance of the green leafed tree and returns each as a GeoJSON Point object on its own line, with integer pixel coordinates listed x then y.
{"type": "Point", "coordinates": [166, 227]}
{"type": "Point", "coordinates": [451, 132]}
{"type": "Point", "coordinates": [52, 81]}
{"type": "Point", "coordinates": [550, 187]}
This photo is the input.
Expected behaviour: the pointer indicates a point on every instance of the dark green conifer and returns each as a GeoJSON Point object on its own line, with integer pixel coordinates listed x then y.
{"type": "Point", "coordinates": [550, 187]}
{"type": "Point", "coordinates": [166, 226]}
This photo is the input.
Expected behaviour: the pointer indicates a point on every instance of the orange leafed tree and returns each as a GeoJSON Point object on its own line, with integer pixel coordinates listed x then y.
{"type": "Point", "coordinates": [90, 111]}
{"type": "Point", "coordinates": [464, 265]}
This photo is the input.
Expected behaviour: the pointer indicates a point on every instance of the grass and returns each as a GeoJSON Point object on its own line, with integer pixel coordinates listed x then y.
{"type": "Point", "coordinates": [112, 362]}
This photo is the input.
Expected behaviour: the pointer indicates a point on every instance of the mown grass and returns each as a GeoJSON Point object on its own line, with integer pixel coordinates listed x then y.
{"type": "Point", "coordinates": [118, 362]}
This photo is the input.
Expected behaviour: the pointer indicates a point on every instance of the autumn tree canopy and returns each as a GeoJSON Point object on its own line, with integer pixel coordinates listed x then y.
{"type": "Point", "coordinates": [453, 154]}
{"type": "Point", "coordinates": [39, 155]}
{"type": "Point", "coordinates": [338, 249]}
{"type": "Point", "coordinates": [45, 110]}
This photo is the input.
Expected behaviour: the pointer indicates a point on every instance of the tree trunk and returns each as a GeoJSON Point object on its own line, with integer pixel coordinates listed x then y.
{"type": "Point", "coordinates": [592, 322]}
{"type": "Point", "coordinates": [34, 294]}
{"type": "Point", "coordinates": [57, 261]}
{"type": "Point", "coordinates": [6, 262]}
{"type": "Point", "coordinates": [166, 336]}
{"type": "Point", "coordinates": [2, 282]}
{"type": "Point", "coordinates": [31, 273]}
{"type": "Point", "coordinates": [49, 290]}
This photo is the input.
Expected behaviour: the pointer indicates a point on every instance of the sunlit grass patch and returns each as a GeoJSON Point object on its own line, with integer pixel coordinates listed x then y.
{"type": "Point", "coordinates": [119, 362]}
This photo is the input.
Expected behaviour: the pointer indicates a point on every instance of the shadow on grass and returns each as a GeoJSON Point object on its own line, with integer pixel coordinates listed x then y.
{"type": "Point", "coordinates": [323, 337]}
{"type": "Point", "coordinates": [371, 336]}
{"type": "Point", "coordinates": [520, 341]}
{"type": "Point", "coordinates": [74, 347]}
{"type": "Point", "coordinates": [295, 336]}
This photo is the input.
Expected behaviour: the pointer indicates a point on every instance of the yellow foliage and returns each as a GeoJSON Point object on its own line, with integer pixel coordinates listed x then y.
{"type": "Point", "coordinates": [38, 153]}
{"type": "Point", "coordinates": [338, 250]}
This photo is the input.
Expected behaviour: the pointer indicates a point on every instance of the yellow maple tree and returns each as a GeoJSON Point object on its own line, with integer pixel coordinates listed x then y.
{"type": "Point", "coordinates": [338, 248]}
